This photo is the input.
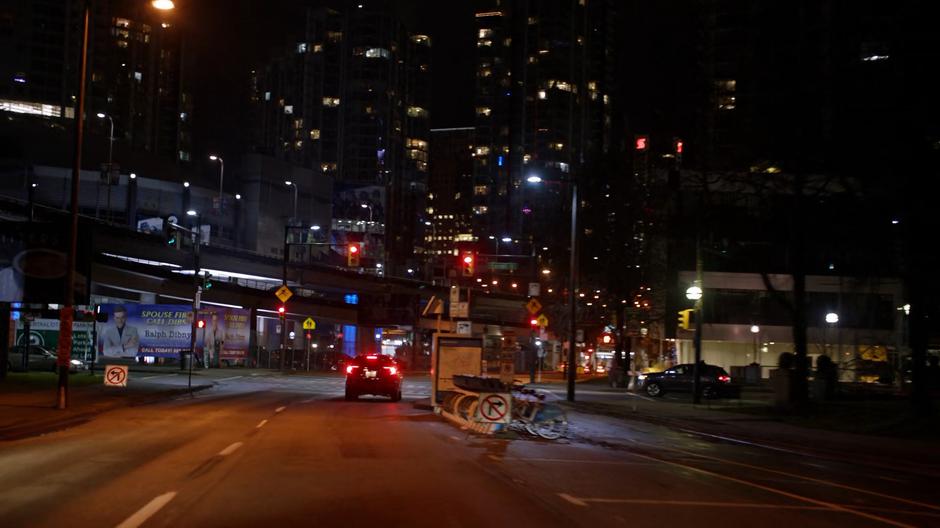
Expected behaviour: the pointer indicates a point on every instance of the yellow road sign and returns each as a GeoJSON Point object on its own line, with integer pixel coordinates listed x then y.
{"type": "Point", "coordinates": [533, 306]}
{"type": "Point", "coordinates": [283, 293]}
{"type": "Point", "coordinates": [310, 324]}
{"type": "Point", "coordinates": [542, 320]}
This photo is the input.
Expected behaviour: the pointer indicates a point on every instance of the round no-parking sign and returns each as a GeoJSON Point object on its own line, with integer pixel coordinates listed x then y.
{"type": "Point", "coordinates": [494, 408]}
{"type": "Point", "coordinates": [115, 376]}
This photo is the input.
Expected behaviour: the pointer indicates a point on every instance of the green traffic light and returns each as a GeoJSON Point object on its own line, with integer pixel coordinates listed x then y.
{"type": "Point", "coordinates": [171, 241]}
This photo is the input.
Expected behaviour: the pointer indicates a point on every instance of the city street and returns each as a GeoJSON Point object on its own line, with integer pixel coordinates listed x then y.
{"type": "Point", "coordinates": [275, 450]}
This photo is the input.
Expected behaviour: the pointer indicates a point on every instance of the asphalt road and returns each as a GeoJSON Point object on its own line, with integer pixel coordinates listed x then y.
{"type": "Point", "coordinates": [288, 451]}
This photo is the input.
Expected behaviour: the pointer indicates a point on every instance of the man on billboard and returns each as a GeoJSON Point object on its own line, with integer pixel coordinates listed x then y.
{"type": "Point", "coordinates": [119, 339]}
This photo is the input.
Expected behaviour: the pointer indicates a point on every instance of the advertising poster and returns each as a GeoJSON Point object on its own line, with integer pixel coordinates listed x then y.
{"type": "Point", "coordinates": [165, 330]}
{"type": "Point", "coordinates": [33, 262]}
{"type": "Point", "coordinates": [45, 333]}
{"type": "Point", "coordinates": [132, 330]}
{"type": "Point", "coordinates": [226, 333]}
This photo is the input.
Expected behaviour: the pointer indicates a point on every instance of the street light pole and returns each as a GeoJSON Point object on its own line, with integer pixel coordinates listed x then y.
{"type": "Point", "coordinates": [572, 297]}
{"type": "Point", "coordinates": [293, 184]}
{"type": "Point", "coordinates": [64, 350]}
{"type": "Point", "coordinates": [110, 157]}
{"type": "Point", "coordinates": [369, 207]}
{"type": "Point", "coordinates": [196, 235]}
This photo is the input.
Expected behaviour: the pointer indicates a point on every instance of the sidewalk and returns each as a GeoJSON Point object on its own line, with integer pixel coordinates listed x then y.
{"type": "Point", "coordinates": [27, 400]}
{"type": "Point", "coordinates": [752, 421]}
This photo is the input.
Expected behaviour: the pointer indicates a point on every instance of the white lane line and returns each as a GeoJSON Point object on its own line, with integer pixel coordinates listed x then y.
{"type": "Point", "coordinates": [573, 461]}
{"type": "Point", "coordinates": [279, 409]}
{"type": "Point", "coordinates": [457, 439]}
{"type": "Point", "coordinates": [152, 507]}
{"type": "Point", "coordinates": [230, 449]}
{"type": "Point", "coordinates": [802, 477]}
{"type": "Point", "coordinates": [573, 500]}
{"type": "Point", "coordinates": [831, 506]}
{"type": "Point", "coordinates": [229, 379]}
{"type": "Point", "coordinates": [261, 424]}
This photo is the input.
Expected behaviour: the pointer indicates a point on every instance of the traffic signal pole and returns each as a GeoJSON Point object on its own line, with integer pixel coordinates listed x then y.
{"type": "Point", "coordinates": [696, 372]}
{"type": "Point", "coordinates": [572, 297]}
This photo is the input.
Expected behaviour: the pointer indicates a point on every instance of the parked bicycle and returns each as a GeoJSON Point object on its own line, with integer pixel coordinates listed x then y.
{"type": "Point", "coordinates": [530, 412]}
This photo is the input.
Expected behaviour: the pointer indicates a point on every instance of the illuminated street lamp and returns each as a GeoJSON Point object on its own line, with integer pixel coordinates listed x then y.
{"type": "Point", "coordinates": [369, 207]}
{"type": "Point", "coordinates": [289, 183]}
{"type": "Point", "coordinates": [163, 5]}
{"type": "Point", "coordinates": [832, 318]}
{"type": "Point", "coordinates": [694, 293]}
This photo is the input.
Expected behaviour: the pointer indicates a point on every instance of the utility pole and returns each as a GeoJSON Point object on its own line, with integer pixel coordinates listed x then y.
{"type": "Point", "coordinates": [572, 296]}
{"type": "Point", "coordinates": [696, 371]}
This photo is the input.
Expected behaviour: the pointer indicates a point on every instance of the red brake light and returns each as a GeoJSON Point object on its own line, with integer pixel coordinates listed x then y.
{"type": "Point", "coordinates": [724, 378]}
{"type": "Point", "coordinates": [351, 368]}
{"type": "Point", "coordinates": [372, 357]}
{"type": "Point", "coordinates": [392, 370]}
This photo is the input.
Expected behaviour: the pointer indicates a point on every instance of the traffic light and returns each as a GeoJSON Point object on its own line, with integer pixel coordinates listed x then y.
{"type": "Point", "coordinates": [206, 282]}
{"type": "Point", "coordinates": [467, 265]}
{"type": "Point", "coordinates": [533, 322]}
{"type": "Point", "coordinates": [170, 233]}
{"type": "Point", "coordinates": [201, 323]}
{"type": "Point", "coordinates": [685, 318]}
{"type": "Point", "coordinates": [352, 255]}
{"type": "Point", "coordinates": [607, 339]}
{"type": "Point", "coordinates": [281, 311]}
{"type": "Point", "coordinates": [678, 147]}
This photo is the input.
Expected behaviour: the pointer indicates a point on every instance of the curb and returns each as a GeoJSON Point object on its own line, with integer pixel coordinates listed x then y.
{"type": "Point", "coordinates": [59, 424]}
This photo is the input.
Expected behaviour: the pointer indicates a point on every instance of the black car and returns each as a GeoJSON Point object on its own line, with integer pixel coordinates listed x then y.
{"type": "Point", "coordinates": [715, 382]}
{"type": "Point", "coordinates": [374, 374]}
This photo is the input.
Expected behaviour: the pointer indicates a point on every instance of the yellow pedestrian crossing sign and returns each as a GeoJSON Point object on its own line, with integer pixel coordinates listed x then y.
{"type": "Point", "coordinates": [283, 293]}
{"type": "Point", "coordinates": [542, 320]}
{"type": "Point", "coordinates": [310, 324]}
{"type": "Point", "coordinates": [533, 306]}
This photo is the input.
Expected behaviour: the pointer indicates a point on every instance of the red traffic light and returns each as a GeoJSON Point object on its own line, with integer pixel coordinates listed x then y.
{"type": "Point", "coordinates": [468, 259]}
{"type": "Point", "coordinates": [678, 146]}
{"type": "Point", "coordinates": [354, 248]}
{"type": "Point", "coordinates": [281, 310]}
{"type": "Point", "coordinates": [200, 323]}
{"type": "Point", "coordinates": [534, 322]}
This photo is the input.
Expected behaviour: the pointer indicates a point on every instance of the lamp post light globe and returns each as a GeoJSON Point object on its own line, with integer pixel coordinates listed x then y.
{"type": "Point", "coordinates": [694, 293]}
{"type": "Point", "coordinates": [755, 329]}
{"type": "Point", "coordinates": [534, 179]}
{"type": "Point", "coordinates": [315, 227]}
{"type": "Point", "coordinates": [832, 318]}
{"type": "Point", "coordinates": [163, 5]}
{"type": "Point", "coordinates": [192, 212]}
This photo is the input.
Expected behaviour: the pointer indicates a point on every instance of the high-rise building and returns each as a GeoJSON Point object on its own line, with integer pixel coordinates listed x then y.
{"type": "Point", "coordinates": [137, 71]}
{"type": "Point", "coordinates": [351, 100]}
{"type": "Point", "coordinates": [543, 107]}
{"type": "Point", "coordinates": [450, 195]}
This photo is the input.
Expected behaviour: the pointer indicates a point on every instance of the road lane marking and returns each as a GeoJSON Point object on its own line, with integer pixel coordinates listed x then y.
{"type": "Point", "coordinates": [152, 507]}
{"type": "Point", "coordinates": [229, 379]}
{"type": "Point", "coordinates": [279, 409]}
{"type": "Point", "coordinates": [795, 496]}
{"type": "Point", "coordinates": [570, 461]}
{"type": "Point", "coordinates": [230, 449]}
{"type": "Point", "coordinates": [804, 477]}
{"type": "Point", "coordinates": [573, 500]}
{"type": "Point", "coordinates": [261, 424]}
{"type": "Point", "coordinates": [457, 439]}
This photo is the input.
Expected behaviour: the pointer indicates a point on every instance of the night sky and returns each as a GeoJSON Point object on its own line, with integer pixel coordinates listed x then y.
{"type": "Point", "coordinates": [233, 36]}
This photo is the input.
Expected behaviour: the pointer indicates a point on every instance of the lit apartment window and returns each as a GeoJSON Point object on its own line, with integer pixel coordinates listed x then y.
{"type": "Point", "coordinates": [299, 144]}
{"type": "Point", "coordinates": [267, 96]}
{"type": "Point", "coordinates": [485, 33]}
{"type": "Point", "coordinates": [418, 144]}
{"type": "Point", "coordinates": [334, 36]}
{"type": "Point", "coordinates": [543, 94]}
{"type": "Point", "coordinates": [507, 41]}
{"type": "Point", "coordinates": [482, 151]}
{"type": "Point", "coordinates": [138, 76]}
{"type": "Point", "coordinates": [484, 111]}
{"type": "Point", "coordinates": [315, 133]}
{"type": "Point", "coordinates": [526, 158]}
{"type": "Point", "coordinates": [726, 85]}
{"type": "Point", "coordinates": [298, 123]}
{"type": "Point", "coordinates": [424, 40]}
{"type": "Point", "coordinates": [289, 109]}
{"type": "Point", "coordinates": [377, 53]}
{"type": "Point", "coordinates": [726, 102]}
{"type": "Point", "coordinates": [318, 48]}
{"type": "Point", "coordinates": [533, 20]}
{"type": "Point", "coordinates": [556, 146]}
{"type": "Point", "coordinates": [481, 190]}
{"type": "Point", "coordinates": [422, 166]}
{"type": "Point", "coordinates": [480, 209]}
{"type": "Point", "coordinates": [327, 167]}
{"type": "Point", "coordinates": [122, 23]}
{"type": "Point", "coordinates": [331, 101]}
{"type": "Point", "coordinates": [489, 14]}
{"type": "Point", "coordinates": [417, 111]}
{"type": "Point", "coordinates": [484, 72]}
{"type": "Point", "coordinates": [484, 43]}
{"type": "Point", "coordinates": [302, 47]}
{"type": "Point", "coordinates": [184, 156]}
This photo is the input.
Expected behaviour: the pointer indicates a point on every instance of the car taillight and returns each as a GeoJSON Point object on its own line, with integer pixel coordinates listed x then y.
{"type": "Point", "coordinates": [372, 357]}
{"type": "Point", "coordinates": [351, 368]}
{"type": "Point", "coordinates": [724, 378]}
{"type": "Point", "coordinates": [391, 370]}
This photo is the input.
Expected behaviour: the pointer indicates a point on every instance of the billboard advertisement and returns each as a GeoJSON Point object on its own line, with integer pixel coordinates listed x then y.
{"type": "Point", "coordinates": [165, 330]}
{"type": "Point", "coordinates": [45, 333]}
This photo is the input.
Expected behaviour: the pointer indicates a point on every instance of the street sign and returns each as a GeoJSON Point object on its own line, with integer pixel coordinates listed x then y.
{"type": "Point", "coordinates": [494, 408]}
{"type": "Point", "coordinates": [310, 324]}
{"type": "Point", "coordinates": [542, 320]}
{"type": "Point", "coordinates": [535, 289]}
{"type": "Point", "coordinates": [115, 376]}
{"type": "Point", "coordinates": [454, 295]}
{"type": "Point", "coordinates": [464, 327]}
{"type": "Point", "coordinates": [503, 266]}
{"type": "Point", "coordinates": [461, 309]}
{"type": "Point", "coordinates": [283, 293]}
{"type": "Point", "coordinates": [533, 306]}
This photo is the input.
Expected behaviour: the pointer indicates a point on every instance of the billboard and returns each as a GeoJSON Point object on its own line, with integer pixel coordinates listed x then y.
{"type": "Point", "coordinates": [165, 330]}
{"type": "Point", "coordinates": [33, 262]}
{"type": "Point", "coordinates": [45, 333]}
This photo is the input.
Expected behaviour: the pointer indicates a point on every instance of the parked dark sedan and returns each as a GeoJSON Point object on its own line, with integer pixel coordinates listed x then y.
{"type": "Point", "coordinates": [39, 359]}
{"type": "Point", "coordinates": [715, 382]}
